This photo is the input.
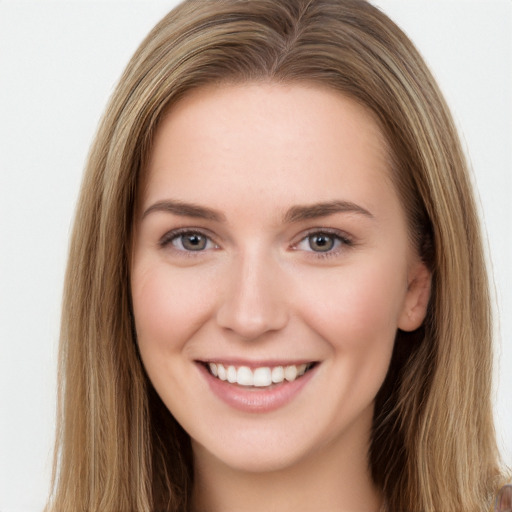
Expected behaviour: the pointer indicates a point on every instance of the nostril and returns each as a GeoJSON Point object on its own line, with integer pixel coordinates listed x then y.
{"type": "Point", "coordinates": [251, 326]}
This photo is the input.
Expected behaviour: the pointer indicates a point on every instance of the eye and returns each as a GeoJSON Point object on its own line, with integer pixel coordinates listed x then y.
{"type": "Point", "coordinates": [322, 242]}
{"type": "Point", "coordinates": [187, 241]}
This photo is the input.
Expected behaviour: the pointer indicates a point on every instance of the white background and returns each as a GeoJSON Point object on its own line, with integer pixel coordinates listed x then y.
{"type": "Point", "coordinates": [58, 64]}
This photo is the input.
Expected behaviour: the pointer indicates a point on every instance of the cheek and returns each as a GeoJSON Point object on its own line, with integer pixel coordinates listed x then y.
{"type": "Point", "coordinates": [356, 309]}
{"type": "Point", "coordinates": [168, 307]}
{"type": "Point", "coordinates": [362, 294]}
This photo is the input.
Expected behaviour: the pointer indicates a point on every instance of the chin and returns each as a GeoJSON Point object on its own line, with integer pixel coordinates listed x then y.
{"type": "Point", "coordinates": [254, 458]}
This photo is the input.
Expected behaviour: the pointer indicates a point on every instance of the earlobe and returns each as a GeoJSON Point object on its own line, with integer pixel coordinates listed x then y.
{"type": "Point", "coordinates": [417, 298]}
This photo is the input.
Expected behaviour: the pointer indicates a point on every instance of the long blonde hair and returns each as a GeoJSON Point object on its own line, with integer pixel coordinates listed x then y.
{"type": "Point", "coordinates": [433, 443]}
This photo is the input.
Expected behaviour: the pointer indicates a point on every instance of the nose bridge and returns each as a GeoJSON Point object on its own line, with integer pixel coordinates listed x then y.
{"type": "Point", "coordinates": [253, 302]}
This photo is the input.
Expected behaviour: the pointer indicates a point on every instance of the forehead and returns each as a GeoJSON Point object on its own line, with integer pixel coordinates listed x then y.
{"type": "Point", "coordinates": [286, 143]}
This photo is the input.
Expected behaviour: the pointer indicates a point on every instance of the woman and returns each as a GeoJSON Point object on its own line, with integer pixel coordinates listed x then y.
{"type": "Point", "coordinates": [304, 321]}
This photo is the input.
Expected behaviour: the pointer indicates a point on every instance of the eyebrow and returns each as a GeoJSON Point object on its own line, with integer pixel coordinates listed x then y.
{"type": "Point", "coordinates": [294, 214]}
{"type": "Point", "coordinates": [300, 213]}
{"type": "Point", "coordinates": [185, 210]}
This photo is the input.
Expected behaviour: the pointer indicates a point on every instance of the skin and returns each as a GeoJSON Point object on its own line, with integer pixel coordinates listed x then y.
{"type": "Point", "coordinates": [261, 290]}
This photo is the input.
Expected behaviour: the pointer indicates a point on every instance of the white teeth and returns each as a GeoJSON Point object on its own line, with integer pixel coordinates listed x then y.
{"type": "Point", "coordinates": [244, 376]}
{"type": "Point", "coordinates": [262, 377]}
{"type": "Point", "coordinates": [231, 374]}
{"type": "Point", "coordinates": [257, 377]}
{"type": "Point", "coordinates": [277, 374]}
{"type": "Point", "coordinates": [221, 372]}
{"type": "Point", "coordinates": [290, 373]}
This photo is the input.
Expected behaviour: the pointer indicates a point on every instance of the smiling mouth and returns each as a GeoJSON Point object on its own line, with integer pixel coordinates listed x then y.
{"type": "Point", "coordinates": [260, 377]}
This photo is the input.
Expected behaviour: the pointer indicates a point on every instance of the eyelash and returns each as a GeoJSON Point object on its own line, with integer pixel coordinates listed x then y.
{"type": "Point", "coordinates": [167, 240]}
{"type": "Point", "coordinates": [343, 241]}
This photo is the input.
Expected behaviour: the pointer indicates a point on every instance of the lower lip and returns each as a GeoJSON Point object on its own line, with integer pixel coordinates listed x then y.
{"type": "Point", "coordinates": [254, 399]}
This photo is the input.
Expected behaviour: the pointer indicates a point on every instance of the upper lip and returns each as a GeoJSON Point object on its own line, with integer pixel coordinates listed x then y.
{"type": "Point", "coordinates": [256, 364]}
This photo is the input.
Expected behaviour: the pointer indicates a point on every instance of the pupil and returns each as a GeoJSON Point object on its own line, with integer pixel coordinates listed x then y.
{"type": "Point", "coordinates": [322, 243]}
{"type": "Point", "coordinates": [194, 242]}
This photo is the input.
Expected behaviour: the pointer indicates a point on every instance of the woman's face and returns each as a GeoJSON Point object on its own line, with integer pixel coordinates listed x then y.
{"type": "Point", "coordinates": [271, 270]}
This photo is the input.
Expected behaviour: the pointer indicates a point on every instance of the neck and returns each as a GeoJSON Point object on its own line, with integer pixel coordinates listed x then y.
{"type": "Point", "coordinates": [335, 477]}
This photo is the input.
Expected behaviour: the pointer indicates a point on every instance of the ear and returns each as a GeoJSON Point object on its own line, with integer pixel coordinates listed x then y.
{"type": "Point", "coordinates": [416, 300]}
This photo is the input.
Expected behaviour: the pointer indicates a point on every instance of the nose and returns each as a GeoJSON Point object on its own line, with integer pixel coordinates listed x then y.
{"type": "Point", "coordinates": [253, 302]}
